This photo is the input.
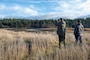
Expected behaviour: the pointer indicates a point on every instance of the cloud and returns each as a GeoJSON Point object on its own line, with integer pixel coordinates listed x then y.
{"type": "Point", "coordinates": [2, 6]}
{"type": "Point", "coordinates": [73, 8]}
{"type": "Point", "coordinates": [85, 7]}
{"type": "Point", "coordinates": [17, 10]}
{"type": "Point", "coordinates": [30, 12]}
{"type": "Point", "coordinates": [47, 8]}
{"type": "Point", "coordinates": [25, 10]}
{"type": "Point", "coordinates": [2, 16]}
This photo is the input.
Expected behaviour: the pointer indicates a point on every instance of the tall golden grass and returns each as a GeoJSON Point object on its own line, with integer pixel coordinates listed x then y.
{"type": "Point", "coordinates": [41, 46]}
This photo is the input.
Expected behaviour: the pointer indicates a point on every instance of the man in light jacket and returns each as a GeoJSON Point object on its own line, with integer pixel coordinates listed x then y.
{"type": "Point", "coordinates": [78, 32]}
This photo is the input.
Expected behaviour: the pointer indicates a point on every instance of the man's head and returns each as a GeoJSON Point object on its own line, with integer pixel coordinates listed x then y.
{"type": "Point", "coordinates": [60, 19]}
{"type": "Point", "coordinates": [78, 21]}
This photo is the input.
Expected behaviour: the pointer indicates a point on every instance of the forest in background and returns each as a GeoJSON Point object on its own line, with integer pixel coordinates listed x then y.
{"type": "Point", "coordinates": [44, 23]}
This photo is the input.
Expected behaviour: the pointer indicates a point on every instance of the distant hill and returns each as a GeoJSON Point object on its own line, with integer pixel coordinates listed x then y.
{"type": "Point", "coordinates": [86, 16]}
{"type": "Point", "coordinates": [45, 17]}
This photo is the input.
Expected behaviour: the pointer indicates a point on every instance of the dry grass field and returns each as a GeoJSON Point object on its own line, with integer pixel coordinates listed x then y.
{"type": "Point", "coordinates": [41, 46]}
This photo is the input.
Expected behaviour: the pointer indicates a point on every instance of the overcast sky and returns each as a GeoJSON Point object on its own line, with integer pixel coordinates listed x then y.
{"type": "Point", "coordinates": [47, 8]}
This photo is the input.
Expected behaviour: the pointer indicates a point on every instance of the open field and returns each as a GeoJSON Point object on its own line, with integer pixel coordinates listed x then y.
{"type": "Point", "coordinates": [41, 46]}
{"type": "Point", "coordinates": [43, 29]}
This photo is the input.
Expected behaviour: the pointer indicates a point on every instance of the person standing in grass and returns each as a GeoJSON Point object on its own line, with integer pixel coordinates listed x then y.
{"type": "Point", "coordinates": [78, 32]}
{"type": "Point", "coordinates": [61, 31]}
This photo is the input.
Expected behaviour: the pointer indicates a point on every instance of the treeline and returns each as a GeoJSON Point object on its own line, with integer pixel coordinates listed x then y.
{"type": "Point", "coordinates": [49, 23]}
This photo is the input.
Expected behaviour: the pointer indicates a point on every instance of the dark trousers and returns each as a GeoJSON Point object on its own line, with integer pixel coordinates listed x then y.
{"type": "Point", "coordinates": [78, 37]}
{"type": "Point", "coordinates": [61, 39]}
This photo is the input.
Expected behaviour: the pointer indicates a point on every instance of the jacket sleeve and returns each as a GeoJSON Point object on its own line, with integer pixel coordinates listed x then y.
{"type": "Point", "coordinates": [82, 28]}
{"type": "Point", "coordinates": [75, 29]}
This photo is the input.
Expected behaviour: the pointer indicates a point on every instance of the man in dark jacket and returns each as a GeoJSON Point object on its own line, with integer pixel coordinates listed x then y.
{"type": "Point", "coordinates": [78, 32]}
{"type": "Point", "coordinates": [61, 31]}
